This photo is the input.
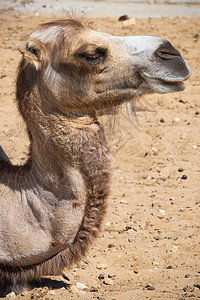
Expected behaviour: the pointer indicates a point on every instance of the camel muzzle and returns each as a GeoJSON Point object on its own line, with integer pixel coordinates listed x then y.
{"type": "Point", "coordinates": [160, 65]}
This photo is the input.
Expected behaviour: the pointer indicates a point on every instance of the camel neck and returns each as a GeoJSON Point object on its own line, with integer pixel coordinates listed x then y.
{"type": "Point", "coordinates": [63, 146]}
{"type": "Point", "coordinates": [68, 176]}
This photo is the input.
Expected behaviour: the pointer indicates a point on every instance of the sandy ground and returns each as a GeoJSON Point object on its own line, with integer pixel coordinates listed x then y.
{"type": "Point", "coordinates": [109, 8]}
{"type": "Point", "coordinates": [149, 246]}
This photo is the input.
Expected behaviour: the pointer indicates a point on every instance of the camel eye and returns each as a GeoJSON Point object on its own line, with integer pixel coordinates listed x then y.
{"type": "Point", "coordinates": [95, 57]}
{"type": "Point", "coordinates": [92, 58]}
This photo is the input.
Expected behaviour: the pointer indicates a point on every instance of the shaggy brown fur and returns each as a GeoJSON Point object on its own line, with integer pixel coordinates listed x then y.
{"type": "Point", "coordinates": [88, 146]}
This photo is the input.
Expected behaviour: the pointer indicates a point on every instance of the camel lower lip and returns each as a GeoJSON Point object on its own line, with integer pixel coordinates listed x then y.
{"type": "Point", "coordinates": [168, 86]}
{"type": "Point", "coordinates": [164, 86]}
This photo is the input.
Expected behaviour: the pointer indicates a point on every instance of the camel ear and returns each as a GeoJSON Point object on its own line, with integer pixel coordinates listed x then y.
{"type": "Point", "coordinates": [32, 52]}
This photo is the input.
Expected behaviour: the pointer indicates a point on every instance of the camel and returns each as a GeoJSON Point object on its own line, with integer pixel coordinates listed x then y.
{"type": "Point", "coordinates": [52, 207]}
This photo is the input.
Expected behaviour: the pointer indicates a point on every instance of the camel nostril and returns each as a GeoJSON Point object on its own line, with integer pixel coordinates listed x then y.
{"type": "Point", "coordinates": [167, 54]}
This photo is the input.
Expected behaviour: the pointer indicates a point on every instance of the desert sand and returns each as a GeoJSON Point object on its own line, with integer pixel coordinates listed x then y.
{"type": "Point", "coordinates": [149, 246]}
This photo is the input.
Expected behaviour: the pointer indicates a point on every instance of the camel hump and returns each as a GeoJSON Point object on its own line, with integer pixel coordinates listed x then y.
{"type": "Point", "coordinates": [3, 155]}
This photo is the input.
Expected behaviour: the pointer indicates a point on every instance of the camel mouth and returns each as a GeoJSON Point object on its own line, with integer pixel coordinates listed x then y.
{"type": "Point", "coordinates": [110, 107]}
{"type": "Point", "coordinates": [119, 96]}
{"type": "Point", "coordinates": [163, 86]}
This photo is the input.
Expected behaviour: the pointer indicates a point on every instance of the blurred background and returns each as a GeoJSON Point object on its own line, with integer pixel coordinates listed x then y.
{"type": "Point", "coordinates": [92, 8]}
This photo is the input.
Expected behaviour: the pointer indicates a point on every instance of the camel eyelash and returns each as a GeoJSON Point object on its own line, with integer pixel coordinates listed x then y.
{"type": "Point", "coordinates": [95, 57]}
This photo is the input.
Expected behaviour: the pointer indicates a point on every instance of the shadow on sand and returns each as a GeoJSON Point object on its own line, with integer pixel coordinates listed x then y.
{"type": "Point", "coordinates": [51, 284]}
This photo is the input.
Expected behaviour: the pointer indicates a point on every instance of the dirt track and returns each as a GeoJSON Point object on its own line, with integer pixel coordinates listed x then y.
{"type": "Point", "coordinates": [149, 245]}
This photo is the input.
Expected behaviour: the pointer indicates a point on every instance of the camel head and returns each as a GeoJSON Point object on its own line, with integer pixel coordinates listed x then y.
{"type": "Point", "coordinates": [78, 69]}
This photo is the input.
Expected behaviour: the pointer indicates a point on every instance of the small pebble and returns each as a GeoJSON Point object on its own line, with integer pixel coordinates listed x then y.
{"type": "Point", "coordinates": [101, 266]}
{"type": "Point", "coordinates": [108, 281]}
{"type": "Point", "coordinates": [129, 22]}
{"type": "Point", "coordinates": [176, 120]}
{"type": "Point", "coordinates": [93, 289]}
{"type": "Point", "coordinates": [101, 276]}
{"type": "Point", "coordinates": [111, 245]}
{"type": "Point", "coordinates": [52, 292]}
{"type": "Point", "coordinates": [111, 275]}
{"type": "Point", "coordinates": [183, 136]}
{"type": "Point", "coordinates": [180, 169]}
{"type": "Point", "coordinates": [159, 181]}
{"type": "Point", "coordinates": [128, 228]}
{"type": "Point", "coordinates": [155, 263]}
{"type": "Point", "coordinates": [82, 292]}
{"type": "Point", "coordinates": [12, 294]}
{"type": "Point", "coordinates": [132, 240]}
{"type": "Point", "coordinates": [75, 269]}
{"type": "Point", "coordinates": [187, 275]}
{"type": "Point", "coordinates": [169, 267]}
{"type": "Point", "coordinates": [107, 223]}
{"type": "Point", "coordinates": [154, 150]}
{"type": "Point", "coordinates": [181, 101]}
{"type": "Point", "coordinates": [81, 286]}
{"type": "Point", "coordinates": [163, 178]}
{"type": "Point", "coordinates": [123, 18]}
{"type": "Point", "coordinates": [149, 287]}
{"type": "Point", "coordinates": [184, 177]}
{"type": "Point", "coordinates": [123, 202]}
{"type": "Point", "coordinates": [174, 248]}
{"type": "Point", "coordinates": [162, 120]}
{"type": "Point", "coordinates": [170, 157]}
